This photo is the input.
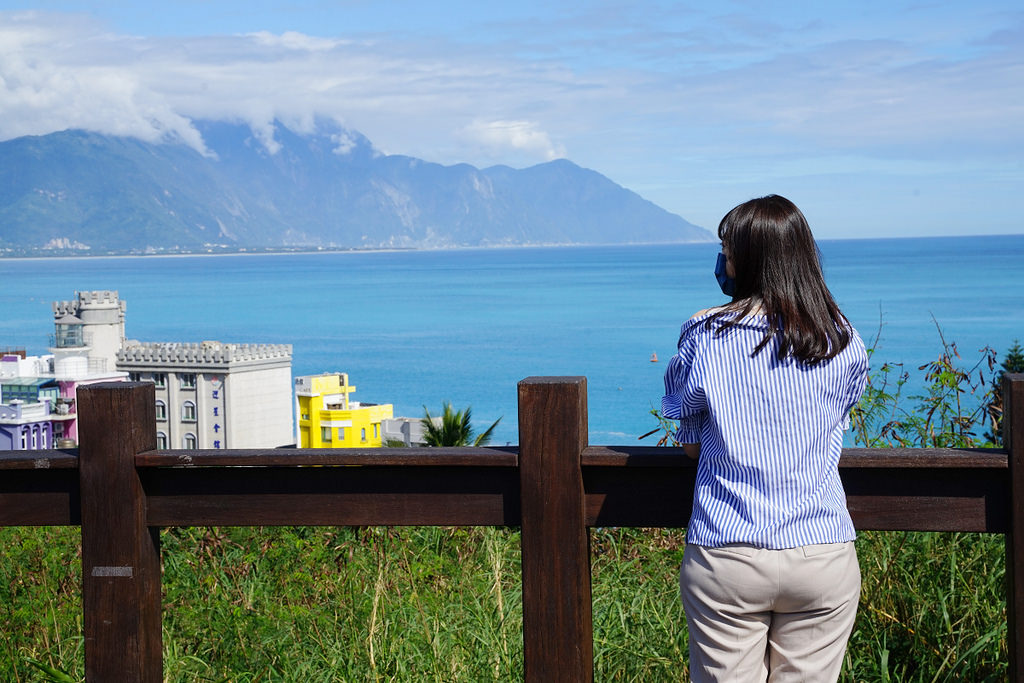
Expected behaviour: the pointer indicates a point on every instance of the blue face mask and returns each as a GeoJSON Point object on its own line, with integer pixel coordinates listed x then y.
{"type": "Point", "coordinates": [727, 283]}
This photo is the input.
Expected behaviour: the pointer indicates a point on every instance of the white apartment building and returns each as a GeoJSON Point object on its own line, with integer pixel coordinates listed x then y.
{"type": "Point", "coordinates": [216, 395]}
{"type": "Point", "coordinates": [407, 430]}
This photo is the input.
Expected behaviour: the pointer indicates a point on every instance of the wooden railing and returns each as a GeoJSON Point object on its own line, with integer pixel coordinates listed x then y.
{"type": "Point", "coordinates": [121, 490]}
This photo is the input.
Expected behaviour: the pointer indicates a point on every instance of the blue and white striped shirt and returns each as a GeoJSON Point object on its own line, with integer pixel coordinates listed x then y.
{"type": "Point", "coordinates": [770, 435]}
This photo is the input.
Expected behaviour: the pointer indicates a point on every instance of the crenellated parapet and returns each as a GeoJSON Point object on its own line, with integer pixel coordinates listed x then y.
{"type": "Point", "coordinates": [198, 354]}
{"type": "Point", "coordinates": [96, 299]}
{"type": "Point", "coordinates": [101, 297]}
{"type": "Point", "coordinates": [63, 308]}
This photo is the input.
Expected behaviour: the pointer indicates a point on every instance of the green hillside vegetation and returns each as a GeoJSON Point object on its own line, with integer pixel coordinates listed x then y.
{"type": "Point", "coordinates": [108, 193]}
{"type": "Point", "coordinates": [443, 604]}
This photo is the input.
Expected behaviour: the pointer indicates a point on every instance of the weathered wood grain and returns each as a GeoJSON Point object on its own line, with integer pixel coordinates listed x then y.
{"type": "Point", "coordinates": [120, 553]}
{"type": "Point", "coordinates": [366, 495]}
{"type": "Point", "coordinates": [557, 612]}
{"type": "Point", "coordinates": [39, 460]}
{"type": "Point", "coordinates": [39, 497]}
{"type": "Point", "coordinates": [325, 457]}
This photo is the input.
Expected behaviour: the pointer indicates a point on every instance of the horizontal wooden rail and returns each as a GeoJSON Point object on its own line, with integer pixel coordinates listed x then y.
{"type": "Point", "coordinates": [897, 489]}
{"type": "Point", "coordinates": [39, 460]}
{"type": "Point", "coordinates": [325, 457]}
{"type": "Point", "coordinates": [904, 489]}
{"type": "Point", "coordinates": [39, 488]}
{"type": "Point", "coordinates": [121, 490]}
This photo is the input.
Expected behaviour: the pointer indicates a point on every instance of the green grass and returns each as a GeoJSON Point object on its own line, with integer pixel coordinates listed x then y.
{"type": "Point", "coordinates": [444, 604]}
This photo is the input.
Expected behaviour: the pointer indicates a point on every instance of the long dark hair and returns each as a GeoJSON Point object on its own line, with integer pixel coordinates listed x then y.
{"type": "Point", "coordinates": [778, 273]}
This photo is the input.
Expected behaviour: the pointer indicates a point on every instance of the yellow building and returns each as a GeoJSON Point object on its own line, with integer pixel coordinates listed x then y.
{"type": "Point", "coordinates": [325, 416]}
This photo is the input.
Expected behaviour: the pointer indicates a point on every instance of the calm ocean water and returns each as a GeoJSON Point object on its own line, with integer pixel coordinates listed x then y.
{"type": "Point", "coordinates": [419, 328]}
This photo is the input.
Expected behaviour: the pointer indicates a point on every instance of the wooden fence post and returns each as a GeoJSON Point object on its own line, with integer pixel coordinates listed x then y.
{"type": "Point", "coordinates": [120, 554]}
{"type": "Point", "coordinates": [1013, 441]}
{"type": "Point", "coordinates": [558, 638]}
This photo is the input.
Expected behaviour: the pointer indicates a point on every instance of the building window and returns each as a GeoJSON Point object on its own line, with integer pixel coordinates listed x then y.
{"type": "Point", "coordinates": [305, 416]}
{"type": "Point", "coordinates": [161, 441]}
{"type": "Point", "coordinates": [376, 430]}
{"type": "Point", "coordinates": [188, 441]}
{"type": "Point", "coordinates": [362, 433]}
{"type": "Point", "coordinates": [188, 380]}
{"type": "Point", "coordinates": [24, 441]}
{"type": "Point", "coordinates": [35, 438]}
{"type": "Point", "coordinates": [42, 440]}
{"type": "Point", "coordinates": [161, 410]}
{"type": "Point", "coordinates": [22, 393]}
{"type": "Point", "coordinates": [160, 379]}
{"type": "Point", "coordinates": [69, 335]}
{"type": "Point", "coordinates": [325, 434]}
{"type": "Point", "coordinates": [341, 433]}
{"type": "Point", "coordinates": [188, 411]}
{"type": "Point", "coordinates": [134, 376]}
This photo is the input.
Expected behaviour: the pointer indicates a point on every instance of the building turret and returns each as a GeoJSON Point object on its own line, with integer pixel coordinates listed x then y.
{"type": "Point", "coordinates": [89, 331]}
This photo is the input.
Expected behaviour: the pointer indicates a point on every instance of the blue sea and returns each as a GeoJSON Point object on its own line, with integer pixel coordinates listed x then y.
{"type": "Point", "coordinates": [417, 328]}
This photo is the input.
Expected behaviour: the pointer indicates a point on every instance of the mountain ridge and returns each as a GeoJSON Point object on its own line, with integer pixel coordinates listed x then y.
{"type": "Point", "coordinates": [76, 191]}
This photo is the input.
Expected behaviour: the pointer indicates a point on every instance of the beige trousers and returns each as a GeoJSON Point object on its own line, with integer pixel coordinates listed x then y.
{"type": "Point", "coordinates": [769, 615]}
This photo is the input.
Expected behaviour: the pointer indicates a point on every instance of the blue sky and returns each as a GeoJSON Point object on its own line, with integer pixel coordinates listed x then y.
{"type": "Point", "coordinates": [877, 118]}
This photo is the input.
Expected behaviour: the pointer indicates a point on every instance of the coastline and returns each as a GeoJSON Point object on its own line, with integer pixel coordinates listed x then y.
{"type": "Point", "coordinates": [312, 251]}
{"type": "Point", "coordinates": [306, 251]}
{"type": "Point", "coordinates": [189, 254]}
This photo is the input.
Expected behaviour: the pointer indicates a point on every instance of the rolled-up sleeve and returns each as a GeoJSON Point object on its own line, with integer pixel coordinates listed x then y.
{"type": "Point", "coordinates": [684, 398]}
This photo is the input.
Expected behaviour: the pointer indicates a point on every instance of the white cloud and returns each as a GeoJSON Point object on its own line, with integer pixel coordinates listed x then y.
{"type": "Point", "coordinates": [50, 80]}
{"type": "Point", "coordinates": [498, 137]}
{"type": "Point", "coordinates": [462, 102]}
{"type": "Point", "coordinates": [63, 74]}
{"type": "Point", "coordinates": [345, 142]}
{"type": "Point", "coordinates": [293, 40]}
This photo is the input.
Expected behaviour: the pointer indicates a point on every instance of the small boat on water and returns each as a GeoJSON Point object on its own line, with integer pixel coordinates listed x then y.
{"type": "Point", "coordinates": [654, 358]}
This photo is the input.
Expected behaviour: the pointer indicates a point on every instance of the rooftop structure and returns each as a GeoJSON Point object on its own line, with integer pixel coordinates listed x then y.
{"type": "Point", "coordinates": [326, 417]}
{"type": "Point", "coordinates": [25, 426]}
{"type": "Point", "coordinates": [89, 330]}
{"type": "Point", "coordinates": [207, 354]}
{"type": "Point", "coordinates": [215, 395]}
{"type": "Point", "coordinates": [405, 430]}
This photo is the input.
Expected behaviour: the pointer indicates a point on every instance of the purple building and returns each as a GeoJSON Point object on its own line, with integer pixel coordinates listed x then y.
{"type": "Point", "coordinates": [25, 426]}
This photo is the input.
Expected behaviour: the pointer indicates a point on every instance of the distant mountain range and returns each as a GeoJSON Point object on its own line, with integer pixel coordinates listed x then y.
{"type": "Point", "coordinates": [83, 192]}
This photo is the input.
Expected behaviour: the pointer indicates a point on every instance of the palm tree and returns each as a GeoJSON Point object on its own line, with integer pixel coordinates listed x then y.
{"type": "Point", "coordinates": [453, 428]}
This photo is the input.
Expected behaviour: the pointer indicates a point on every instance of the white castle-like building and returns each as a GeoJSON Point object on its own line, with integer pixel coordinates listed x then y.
{"type": "Point", "coordinates": [89, 330]}
{"type": "Point", "coordinates": [216, 395]}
